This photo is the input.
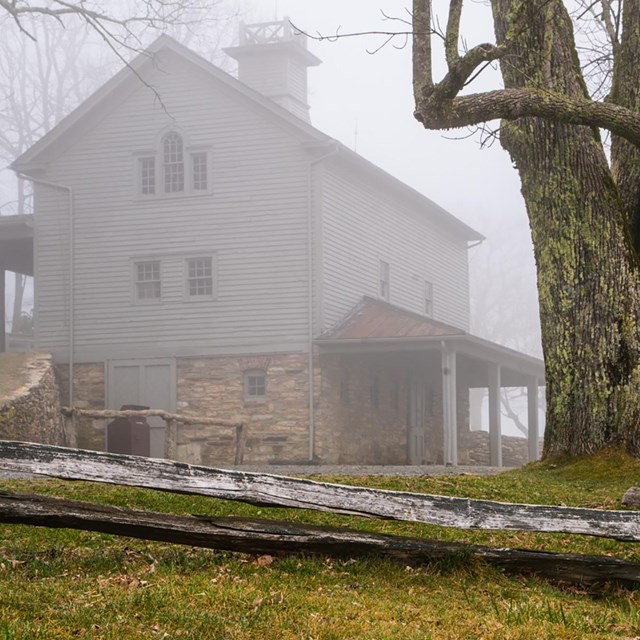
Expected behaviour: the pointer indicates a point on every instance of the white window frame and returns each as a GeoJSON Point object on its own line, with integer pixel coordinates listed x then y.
{"type": "Point", "coordinates": [141, 176]}
{"type": "Point", "coordinates": [246, 385]}
{"type": "Point", "coordinates": [187, 277]}
{"type": "Point", "coordinates": [427, 292]}
{"type": "Point", "coordinates": [384, 280]}
{"type": "Point", "coordinates": [189, 153]}
{"type": "Point", "coordinates": [178, 163]}
{"type": "Point", "coordinates": [135, 263]}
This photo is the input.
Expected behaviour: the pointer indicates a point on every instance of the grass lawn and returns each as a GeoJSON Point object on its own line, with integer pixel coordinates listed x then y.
{"type": "Point", "coordinates": [64, 584]}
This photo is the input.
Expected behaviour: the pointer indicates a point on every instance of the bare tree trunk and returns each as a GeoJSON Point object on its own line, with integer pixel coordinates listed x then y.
{"type": "Point", "coordinates": [588, 273]}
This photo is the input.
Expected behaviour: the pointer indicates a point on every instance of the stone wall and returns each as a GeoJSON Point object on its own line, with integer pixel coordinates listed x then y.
{"type": "Point", "coordinates": [359, 424]}
{"type": "Point", "coordinates": [474, 446]}
{"type": "Point", "coordinates": [88, 393]}
{"type": "Point", "coordinates": [276, 428]}
{"type": "Point", "coordinates": [32, 412]}
{"type": "Point", "coordinates": [361, 411]}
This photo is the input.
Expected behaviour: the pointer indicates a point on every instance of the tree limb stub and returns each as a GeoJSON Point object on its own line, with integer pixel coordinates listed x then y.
{"type": "Point", "coordinates": [511, 104]}
{"type": "Point", "coordinates": [270, 537]}
{"type": "Point", "coordinates": [271, 490]}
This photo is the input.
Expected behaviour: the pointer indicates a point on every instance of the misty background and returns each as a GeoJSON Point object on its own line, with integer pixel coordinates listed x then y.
{"type": "Point", "coordinates": [360, 95]}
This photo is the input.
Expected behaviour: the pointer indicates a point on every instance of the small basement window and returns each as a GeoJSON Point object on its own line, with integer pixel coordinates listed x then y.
{"type": "Point", "coordinates": [255, 385]}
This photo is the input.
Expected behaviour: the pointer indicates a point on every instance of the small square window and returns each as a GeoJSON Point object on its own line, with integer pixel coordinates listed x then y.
{"type": "Point", "coordinates": [199, 171]}
{"type": "Point", "coordinates": [384, 289]}
{"type": "Point", "coordinates": [147, 176]}
{"type": "Point", "coordinates": [200, 277]}
{"type": "Point", "coordinates": [428, 298]}
{"type": "Point", "coordinates": [255, 385]}
{"type": "Point", "coordinates": [147, 280]}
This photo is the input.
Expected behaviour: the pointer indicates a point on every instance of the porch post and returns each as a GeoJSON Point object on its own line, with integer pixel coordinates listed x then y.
{"type": "Point", "coordinates": [533, 427]}
{"type": "Point", "coordinates": [495, 432]}
{"type": "Point", "coordinates": [449, 406]}
{"type": "Point", "coordinates": [3, 335]}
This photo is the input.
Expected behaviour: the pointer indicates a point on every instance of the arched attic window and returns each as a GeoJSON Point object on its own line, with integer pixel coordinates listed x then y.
{"type": "Point", "coordinates": [173, 162]}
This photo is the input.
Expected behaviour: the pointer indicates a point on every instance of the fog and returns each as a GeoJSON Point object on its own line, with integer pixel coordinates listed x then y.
{"type": "Point", "coordinates": [364, 99]}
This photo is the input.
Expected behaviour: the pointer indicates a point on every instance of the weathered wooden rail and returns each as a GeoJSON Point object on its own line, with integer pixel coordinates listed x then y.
{"type": "Point", "coordinates": [271, 490]}
{"type": "Point", "coordinates": [269, 537]}
{"type": "Point", "coordinates": [171, 420]}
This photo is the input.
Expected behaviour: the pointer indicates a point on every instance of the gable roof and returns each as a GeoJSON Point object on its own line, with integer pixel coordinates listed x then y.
{"type": "Point", "coordinates": [128, 78]}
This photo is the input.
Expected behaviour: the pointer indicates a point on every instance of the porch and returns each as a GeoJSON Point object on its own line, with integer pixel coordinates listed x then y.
{"type": "Point", "coordinates": [420, 372]}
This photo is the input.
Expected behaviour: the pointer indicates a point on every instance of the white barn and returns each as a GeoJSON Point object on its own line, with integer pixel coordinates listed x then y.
{"type": "Point", "coordinates": [199, 247]}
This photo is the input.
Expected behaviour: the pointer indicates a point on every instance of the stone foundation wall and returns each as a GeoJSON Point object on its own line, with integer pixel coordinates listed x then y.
{"type": "Point", "coordinates": [89, 392]}
{"type": "Point", "coordinates": [276, 428]}
{"type": "Point", "coordinates": [32, 412]}
{"type": "Point", "coordinates": [361, 412]}
{"type": "Point", "coordinates": [349, 430]}
{"type": "Point", "coordinates": [475, 448]}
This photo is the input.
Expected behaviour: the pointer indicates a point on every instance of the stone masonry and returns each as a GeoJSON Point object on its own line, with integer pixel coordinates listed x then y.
{"type": "Point", "coordinates": [276, 427]}
{"type": "Point", "coordinates": [32, 412]}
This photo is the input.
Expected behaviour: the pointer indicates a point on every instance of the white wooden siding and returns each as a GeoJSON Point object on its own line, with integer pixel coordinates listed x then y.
{"type": "Point", "coordinates": [254, 221]}
{"type": "Point", "coordinates": [362, 226]}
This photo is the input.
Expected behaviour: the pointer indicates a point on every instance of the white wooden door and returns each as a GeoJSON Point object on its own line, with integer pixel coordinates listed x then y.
{"type": "Point", "coordinates": [151, 383]}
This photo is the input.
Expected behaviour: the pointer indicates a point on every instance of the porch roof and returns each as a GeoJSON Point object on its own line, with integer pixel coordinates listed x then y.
{"type": "Point", "coordinates": [16, 244]}
{"type": "Point", "coordinates": [378, 326]}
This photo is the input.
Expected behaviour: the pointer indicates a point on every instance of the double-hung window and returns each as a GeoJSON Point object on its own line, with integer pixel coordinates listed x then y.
{"type": "Point", "coordinates": [199, 181]}
{"type": "Point", "coordinates": [200, 277]}
{"type": "Point", "coordinates": [147, 175]}
{"type": "Point", "coordinates": [174, 168]}
{"type": "Point", "coordinates": [147, 282]}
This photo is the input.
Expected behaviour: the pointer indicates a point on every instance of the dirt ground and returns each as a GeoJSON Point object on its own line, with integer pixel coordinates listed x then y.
{"type": "Point", "coordinates": [12, 373]}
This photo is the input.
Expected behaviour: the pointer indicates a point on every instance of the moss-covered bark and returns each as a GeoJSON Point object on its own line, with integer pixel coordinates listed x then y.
{"type": "Point", "coordinates": [625, 91]}
{"type": "Point", "coordinates": [584, 215]}
{"type": "Point", "coordinates": [588, 274]}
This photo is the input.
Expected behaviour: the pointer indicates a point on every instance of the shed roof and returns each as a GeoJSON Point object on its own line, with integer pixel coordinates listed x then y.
{"type": "Point", "coordinates": [374, 319]}
{"type": "Point", "coordinates": [16, 244]}
{"type": "Point", "coordinates": [377, 326]}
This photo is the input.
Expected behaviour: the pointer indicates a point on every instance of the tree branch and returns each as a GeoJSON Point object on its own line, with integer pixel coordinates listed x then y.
{"type": "Point", "coordinates": [434, 112]}
{"type": "Point", "coordinates": [422, 71]}
{"type": "Point", "coordinates": [453, 32]}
